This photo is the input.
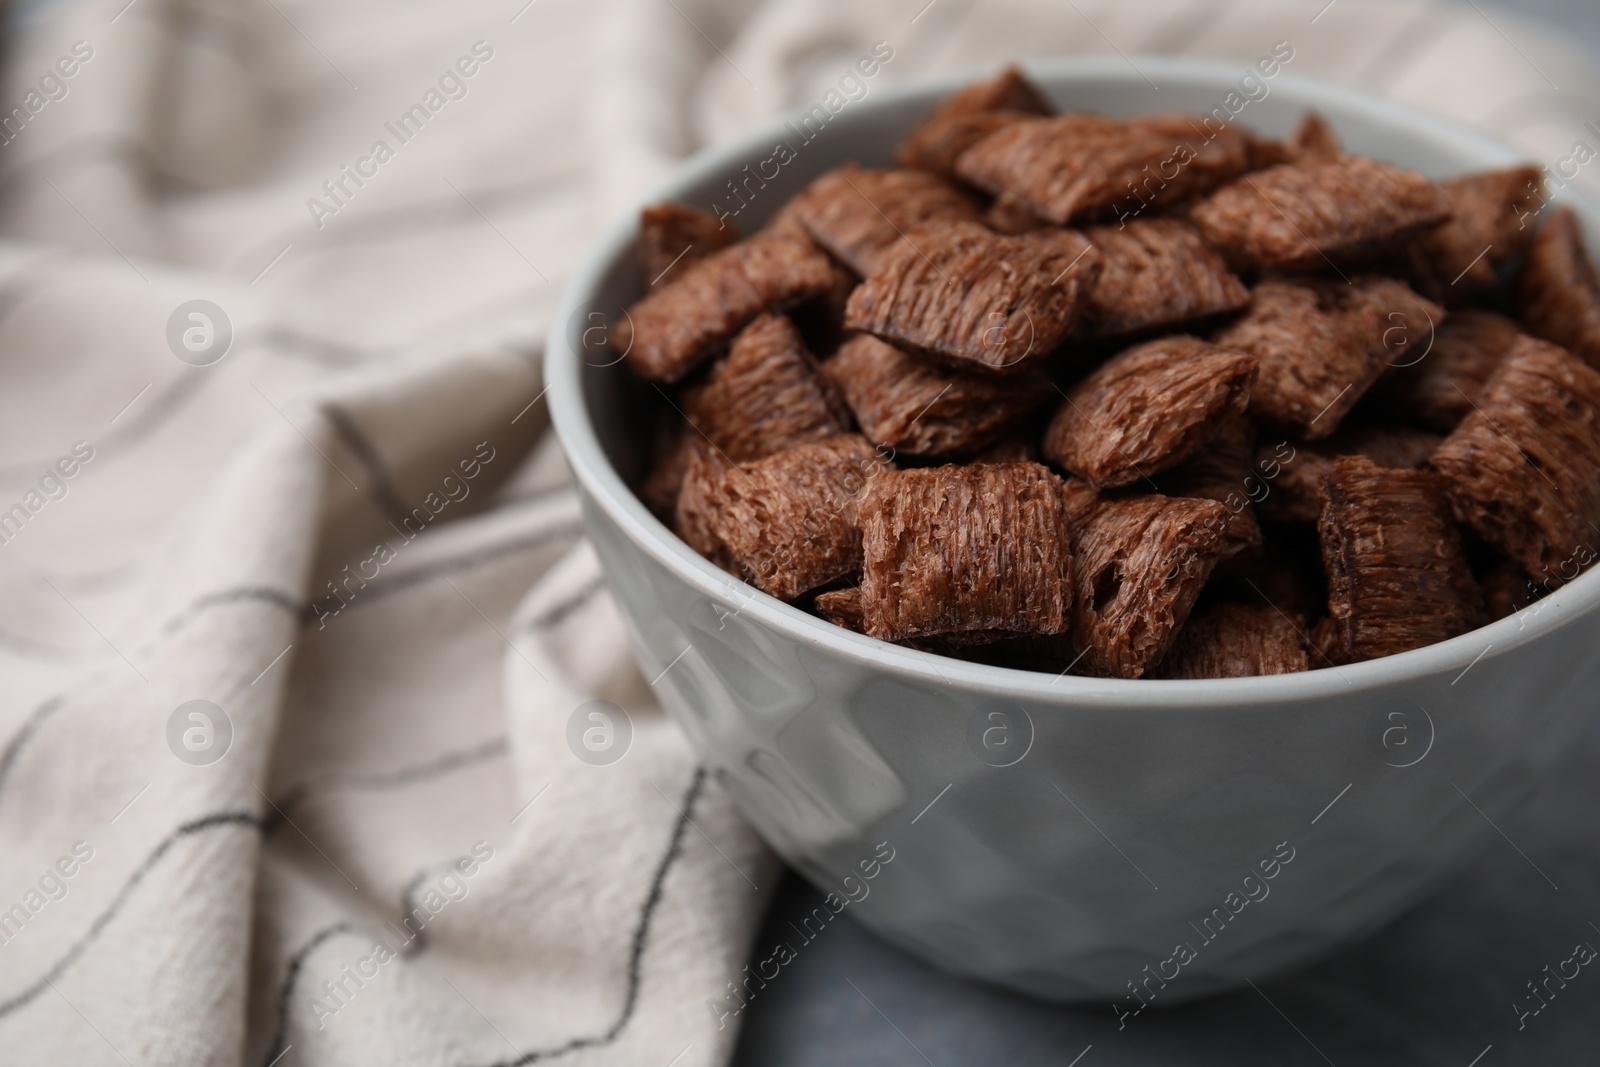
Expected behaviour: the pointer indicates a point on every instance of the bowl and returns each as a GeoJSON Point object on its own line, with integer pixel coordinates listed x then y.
{"type": "Point", "coordinates": [1071, 838]}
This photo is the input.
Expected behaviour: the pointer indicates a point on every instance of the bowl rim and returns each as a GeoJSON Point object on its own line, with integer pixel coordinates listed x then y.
{"type": "Point", "coordinates": [604, 486]}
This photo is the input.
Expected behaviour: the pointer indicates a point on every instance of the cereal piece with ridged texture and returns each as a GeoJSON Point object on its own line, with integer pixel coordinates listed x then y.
{"type": "Point", "coordinates": [681, 323]}
{"type": "Point", "coordinates": [922, 409]}
{"type": "Point", "coordinates": [1397, 578]}
{"type": "Point", "coordinates": [671, 236]}
{"type": "Point", "coordinates": [1011, 216]}
{"type": "Point", "coordinates": [1148, 409]}
{"type": "Point", "coordinates": [1489, 224]}
{"type": "Point", "coordinates": [790, 520]}
{"type": "Point", "coordinates": [974, 299]}
{"type": "Point", "coordinates": [1315, 139]}
{"type": "Point", "coordinates": [1296, 490]}
{"type": "Point", "coordinates": [767, 395]}
{"type": "Point", "coordinates": [1324, 647]}
{"type": "Point", "coordinates": [1140, 563]}
{"type": "Point", "coordinates": [857, 214]}
{"type": "Point", "coordinates": [1081, 167]}
{"type": "Point", "coordinates": [1322, 343]}
{"type": "Point", "coordinates": [842, 607]}
{"type": "Point", "coordinates": [1439, 389]}
{"type": "Point", "coordinates": [697, 502]}
{"type": "Point", "coordinates": [1237, 641]}
{"type": "Point", "coordinates": [958, 550]}
{"type": "Point", "coordinates": [1558, 294]}
{"type": "Point", "coordinates": [1524, 469]}
{"type": "Point", "coordinates": [966, 117]}
{"type": "Point", "coordinates": [1156, 274]}
{"type": "Point", "coordinates": [1301, 216]}
{"type": "Point", "coordinates": [1223, 471]}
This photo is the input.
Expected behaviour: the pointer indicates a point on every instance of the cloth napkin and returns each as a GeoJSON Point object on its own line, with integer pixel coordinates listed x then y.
{"type": "Point", "coordinates": [320, 739]}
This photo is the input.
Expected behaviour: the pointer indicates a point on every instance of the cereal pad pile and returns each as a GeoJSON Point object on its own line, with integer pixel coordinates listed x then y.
{"type": "Point", "coordinates": [1153, 398]}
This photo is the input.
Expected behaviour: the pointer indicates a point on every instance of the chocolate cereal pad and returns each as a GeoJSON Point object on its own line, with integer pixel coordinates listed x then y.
{"type": "Point", "coordinates": [1397, 579]}
{"type": "Point", "coordinates": [671, 236]}
{"type": "Point", "coordinates": [1075, 168]}
{"type": "Point", "coordinates": [1321, 343]}
{"type": "Point", "coordinates": [685, 320]}
{"type": "Point", "coordinates": [857, 214]}
{"type": "Point", "coordinates": [951, 549]}
{"type": "Point", "coordinates": [766, 396]}
{"type": "Point", "coordinates": [789, 521]}
{"type": "Point", "coordinates": [967, 117]}
{"type": "Point", "coordinates": [1559, 292]}
{"type": "Point", "coordinates": [917, 408]}
{"type": "Point", "coordinates": [1523, 469]}
{"type": "Point", "coordinates": [1312, 215]}
{"type": "Point", "coordinates": [1134, 398]}
{"type": "Point", "coordinates": [974, 299]}
{"type": "Point", "coordinates": [1148, 409]}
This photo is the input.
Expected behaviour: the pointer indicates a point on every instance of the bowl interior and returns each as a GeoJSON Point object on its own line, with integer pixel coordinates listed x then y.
{"type": "Point", "coordinates": [604, 413]}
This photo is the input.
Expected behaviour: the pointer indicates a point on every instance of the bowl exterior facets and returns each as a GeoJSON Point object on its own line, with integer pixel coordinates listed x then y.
{"type": "Point", "coordinates": [1072, 838]}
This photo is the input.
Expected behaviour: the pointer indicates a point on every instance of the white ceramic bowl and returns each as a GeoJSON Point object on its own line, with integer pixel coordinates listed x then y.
{"type": "Point", "coordinates": [1130, 810]}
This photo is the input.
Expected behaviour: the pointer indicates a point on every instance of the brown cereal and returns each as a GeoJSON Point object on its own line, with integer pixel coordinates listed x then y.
{"type": "Point", "coordinates": [921, 409]}
{"type": "Point", "coordinates": [790, 520]}
{"type": "Point", "coordinates": [842, 607]}
{"type": "Point", "coordinates": [857, 214]}
{"type": "Point", "coordinates": [1296, 492]}
{"type": "Point", "coordinates": [697, 504]}
{"type": "Point", "coordinates": [1558, 295]}
{"type": "Point", "coordinates": [1140, 563]}
{"type": "Point", "coordinates": [1011, 216]}
{"type": "Point", "coordinates": [1237, 641]}
{"type": "Point", "coordinates": [682, 322]}
{"type": "Point", "coordinates": [671, 236]}
{"type": "Point", "coordinates": [974, 299]}
{"type": "Point", "coordinates": [938, 143]}
{"type": "Point", "coordinates": [1154, 274]}
{"type": "Point", "coordinates": [968, 116]}
{"type": "Point", "coordinates": [1010, 90]}
{"type": "Point", "coordinates": [957, 550]}
{"type": "Point", "coordinates": [1524, 468]}
{"type": "Point", "coordinates": [1487, 227]}
{"type": "Point", "coordinates": [1203, 154]}
{"type": "Point", "coordinates": [1322, 343]}
{"type": "Point", "coordinates": [767, 395]}
{"type": "Point", "coordinates": [1397, 579]}
{"type": "Point", "coordinates": [1439, 389]}
{"type": "Point", "coordinates": [1314, 139]}
{"type": "Point", "coordinates": [1223, 471]}
{"type": "Point", "coordinates": [1070, 168]}
{"type": "Point", "coordinates": [1148, 409]}
{"type": "Point", "coordinates": [1323, 645]}
{"type": "Point", "coordinates": [1303, 216]}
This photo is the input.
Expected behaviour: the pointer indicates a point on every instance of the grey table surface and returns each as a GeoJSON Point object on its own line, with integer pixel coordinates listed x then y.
{"type": "Point", "coordinates": [1435, 987]}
